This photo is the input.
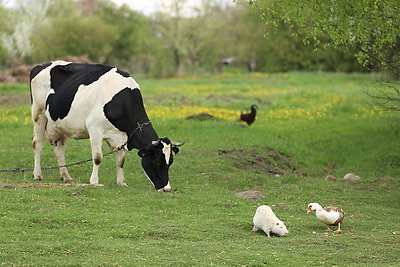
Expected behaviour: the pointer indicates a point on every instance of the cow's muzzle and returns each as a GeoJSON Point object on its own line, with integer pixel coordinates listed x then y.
{"type": "Point", "coordinates": [166, 188]}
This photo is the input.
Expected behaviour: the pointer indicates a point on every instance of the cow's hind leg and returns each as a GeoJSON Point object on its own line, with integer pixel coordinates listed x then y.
{"type": "Point", "coordinates": [120, 159]}
{"type": "Point", "coordinates": [59, 150]}
{"type": "Point", "coordinates": [39, 127]}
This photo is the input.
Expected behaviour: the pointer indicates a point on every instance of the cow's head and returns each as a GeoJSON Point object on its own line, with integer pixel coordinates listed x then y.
{"type": "Point", "coordinates": [157, 157]}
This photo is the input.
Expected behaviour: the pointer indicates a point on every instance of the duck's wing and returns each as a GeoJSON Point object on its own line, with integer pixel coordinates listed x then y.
{"type": "Point", "coordinates": [328, 216]}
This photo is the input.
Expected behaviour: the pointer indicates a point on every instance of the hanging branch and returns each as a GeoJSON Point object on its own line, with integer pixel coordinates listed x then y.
{"type": "Point", "coordinates": [388, 98]}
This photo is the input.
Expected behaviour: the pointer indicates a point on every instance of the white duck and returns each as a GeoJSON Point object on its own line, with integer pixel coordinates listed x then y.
{"type": "Point", "coordinates": [328, 215]}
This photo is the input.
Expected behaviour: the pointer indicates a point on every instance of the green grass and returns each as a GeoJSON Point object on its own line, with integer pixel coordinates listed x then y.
{"type": "Point", "coordinates": [315, 123]}
{"type": "Point", "coordinates": [14, 89]}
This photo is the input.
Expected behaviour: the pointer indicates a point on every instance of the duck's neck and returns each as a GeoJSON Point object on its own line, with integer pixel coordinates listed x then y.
{"type": "Point", "coordinates": [317, 207]}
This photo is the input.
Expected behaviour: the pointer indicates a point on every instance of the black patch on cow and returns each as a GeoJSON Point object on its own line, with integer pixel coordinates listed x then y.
{"type": "Point", "coordinates": [123, 73]}
{"type": "Point", "coordinates": [65, 80]}
{"type": "Point", "coordinates": [125, 110]}
{"type": "Point", "coordinates": [35, 70]}
{"type": "Point", "coordinates": [97, 159]}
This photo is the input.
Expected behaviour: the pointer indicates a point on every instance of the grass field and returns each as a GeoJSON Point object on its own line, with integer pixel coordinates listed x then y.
{"type": "Point", "coordinates": [309, 125]}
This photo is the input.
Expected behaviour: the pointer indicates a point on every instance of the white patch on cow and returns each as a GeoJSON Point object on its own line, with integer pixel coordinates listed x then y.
{"type": "Point", "coordinates": [167, 188]}
{"type": "Point", "coordinates": [167, 151]}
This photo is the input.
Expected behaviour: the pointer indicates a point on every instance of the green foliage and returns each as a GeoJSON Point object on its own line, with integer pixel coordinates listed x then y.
{"type": "Point", "coordinates": [286, 51]}
{"type": "Point", "coordinates": [202, 221]}
{"type": "Point", "coordinates": [372, 26]}
{"type": "Point", "coordinates": [134, 37]}
{"type": "Point", "coordinates": [178, 41]}
{"type": "Point", "coordinates": [14, 89]}
{"type": "Point", "coordinates": [185, 42]}
{"type": "Point", "coordinates": [80, 36]}
{"type": "Point", "coordinates": [3, 54]}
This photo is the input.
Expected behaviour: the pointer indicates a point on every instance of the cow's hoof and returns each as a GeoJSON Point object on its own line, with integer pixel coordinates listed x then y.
{"type": "Point", "coordinates": [37, 178]}
{"type": "Point", "coordinates": [122, 184]}
{"type": "Point", "coordinates": [67, 180]}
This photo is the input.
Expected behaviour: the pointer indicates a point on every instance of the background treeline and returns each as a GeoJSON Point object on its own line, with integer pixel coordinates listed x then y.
{"type": "Point", "coordinates": [163, 44]}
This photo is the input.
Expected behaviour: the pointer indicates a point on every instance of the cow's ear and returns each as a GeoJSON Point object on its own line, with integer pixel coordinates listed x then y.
{"type": "Point", "coordinates": [143, 152]}
{"type": "Point", "coordinates": [175, 150]}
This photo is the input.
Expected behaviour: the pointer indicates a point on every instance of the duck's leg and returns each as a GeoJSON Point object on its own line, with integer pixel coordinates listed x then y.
{"type": "Point", "coordinates": [327, 228]}
{"type": "Point", "coordinates": [338, 230]}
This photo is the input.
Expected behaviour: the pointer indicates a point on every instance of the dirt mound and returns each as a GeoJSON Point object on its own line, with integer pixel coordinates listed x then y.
{"type": "Point", "coordinates": [267, 161]}
{"type": "Point", "coordinates": [20, 74]}
{"type": "Point", "coordinates": [282, 207]}
{"type": "Point", "coordinates": [250, 194]}
{"type": "Point", "coordinates": [201, 117]}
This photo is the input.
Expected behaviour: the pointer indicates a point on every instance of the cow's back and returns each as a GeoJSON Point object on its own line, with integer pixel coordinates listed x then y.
{"type": "Point", "coordinates": [73, 95]}
{"type": "Point", "coordinates": [66, 80]}
{"type": "Point", "coordinates": [62, 76]}
{"type": "Point", "coordinates": [56, 85]}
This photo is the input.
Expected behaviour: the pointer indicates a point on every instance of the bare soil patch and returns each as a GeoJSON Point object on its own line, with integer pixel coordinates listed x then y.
{"type": "Point", "coordinates": [20, 74]}
{"type": "Point", "coordinates": [269, 161]}
{"type": "Point", "coordinates": [250, 194]}
{"type": "Point", "coordinates": [7, 101]}
{"type": "Point", "coordinates": [282, 207]}
{"type": "Point", "coordinates": [45, 185]}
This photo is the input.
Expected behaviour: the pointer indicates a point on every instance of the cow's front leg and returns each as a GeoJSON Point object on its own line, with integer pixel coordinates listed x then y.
{"type": "Point", "coordinates": [120, 159]}
{"type": "Point", "coordinates": [59, 150]}
{"type": "Point", "coordinates": [97, 157]}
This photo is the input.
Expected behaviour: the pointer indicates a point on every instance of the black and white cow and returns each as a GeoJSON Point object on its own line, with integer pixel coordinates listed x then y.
{"type": "Point", "coordinates": [99, 102]}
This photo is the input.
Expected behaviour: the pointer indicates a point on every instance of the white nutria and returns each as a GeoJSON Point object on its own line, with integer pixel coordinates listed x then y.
{"type": "Point", "coordinates": [266, 220]}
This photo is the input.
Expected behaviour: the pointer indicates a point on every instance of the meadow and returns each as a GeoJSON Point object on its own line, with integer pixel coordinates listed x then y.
{"type": "Point", "coordinates": [309, 125]}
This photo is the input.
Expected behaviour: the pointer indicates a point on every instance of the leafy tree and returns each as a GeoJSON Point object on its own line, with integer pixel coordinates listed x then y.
{"type": "Point", "coordinates": [169, 28]}
{"type": "Point", "coordinates": [283, 51]}
{"type": "Point", "coordinates": [133, 36]}
{"type": "Point", "coordinates": [207, 37]}
{"type": "Point", "coordinates": [196, 39]}
{"type": "Point", "coordinates": [370, 25]}
{"type": "Point", "coordinates": [68, 33]}
{"type": "Point", "coordinates": [3, 29]}
{"type": "Point", "coordinates": [18, 29]}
